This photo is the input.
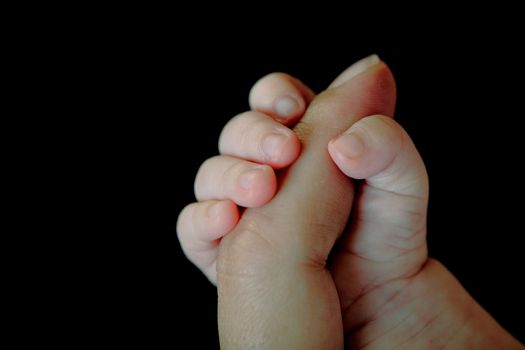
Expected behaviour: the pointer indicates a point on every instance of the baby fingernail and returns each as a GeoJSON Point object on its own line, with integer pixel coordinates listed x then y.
{"type": "Point", "coordinates": [248, 178]}
{"type": "Point", "coordinates": [350, 145]}
{"type": "Point", "coordinates": [287, 106]}
{"type": "Point", "coordinates": [213, 210]}
{"type": "Point", "coordinates": [272, 144]}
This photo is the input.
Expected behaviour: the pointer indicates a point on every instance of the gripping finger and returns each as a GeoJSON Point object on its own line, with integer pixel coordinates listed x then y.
{"type": "Point", "coordinates": [245, 183]}
{"type": "Point", "coordinates": [281, 96]}
{"type": "Point", "coordinates": [200, 227]}
{"type": "Point", "coordinates": [257, 137]}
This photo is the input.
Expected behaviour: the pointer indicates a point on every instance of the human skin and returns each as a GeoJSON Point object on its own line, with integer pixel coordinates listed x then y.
{"type": "Point", "coordinates": [379, 289]}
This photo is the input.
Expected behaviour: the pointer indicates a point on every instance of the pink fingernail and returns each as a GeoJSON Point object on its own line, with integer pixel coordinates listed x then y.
{"type": "Point", "coordinates": [248, 178]}
{"type": "Point", "coordinates": [272, 145]}
{"type": "Point", "coordinates": [350, 145]}
{"type": "Point", "coordinates": [287, 106]}
{"type": "Point", "coordinates": [213, 210]}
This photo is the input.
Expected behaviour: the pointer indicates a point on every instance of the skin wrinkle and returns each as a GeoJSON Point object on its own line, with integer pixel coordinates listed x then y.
{"type": "Point", "coordinates": [411, 233]}
{"type": "Point", "coordinates": [365, 291]}
{"type": "Point", "coordinates": [362, 255]}
{"type": "Point", "coordinates": [464, 322]}
{"type": "Point", "coordinates": [363, 294]}
{"type": "Point", "coordinates": [418, 332]}
{"type": "Point", "coordinates": [419, 202]}
{"type": "Point", "coordinates": [372, 285]}
{"type": "Point", "coordinates": [443, 297]}
{"type": "Point", "coordinates": [394, 232]}
{"type": "Point", "coordinates": [416, 213]}
{"type": "Point", "coordinates": [384, 334]}
{"type": "Point", "coordinates": [382, 191]}
{"type": "Point", "coordinates": [408, 251]}
{"type": "Point", "coordinates": [404, 249]}
{"type": "Point", "coordinates": [396, 193]}
{"type": "Point", "coordinates": [398, 324]}
{"type": "Point", "coordinates": [348, 250]}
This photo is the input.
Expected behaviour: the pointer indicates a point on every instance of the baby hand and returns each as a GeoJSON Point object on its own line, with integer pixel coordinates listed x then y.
{"type": "Point", "coordinates": [252, 145]}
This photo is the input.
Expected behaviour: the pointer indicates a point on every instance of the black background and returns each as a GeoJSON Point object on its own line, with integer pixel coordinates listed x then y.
{"type": "Point", "coordinates": [457, 98]}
